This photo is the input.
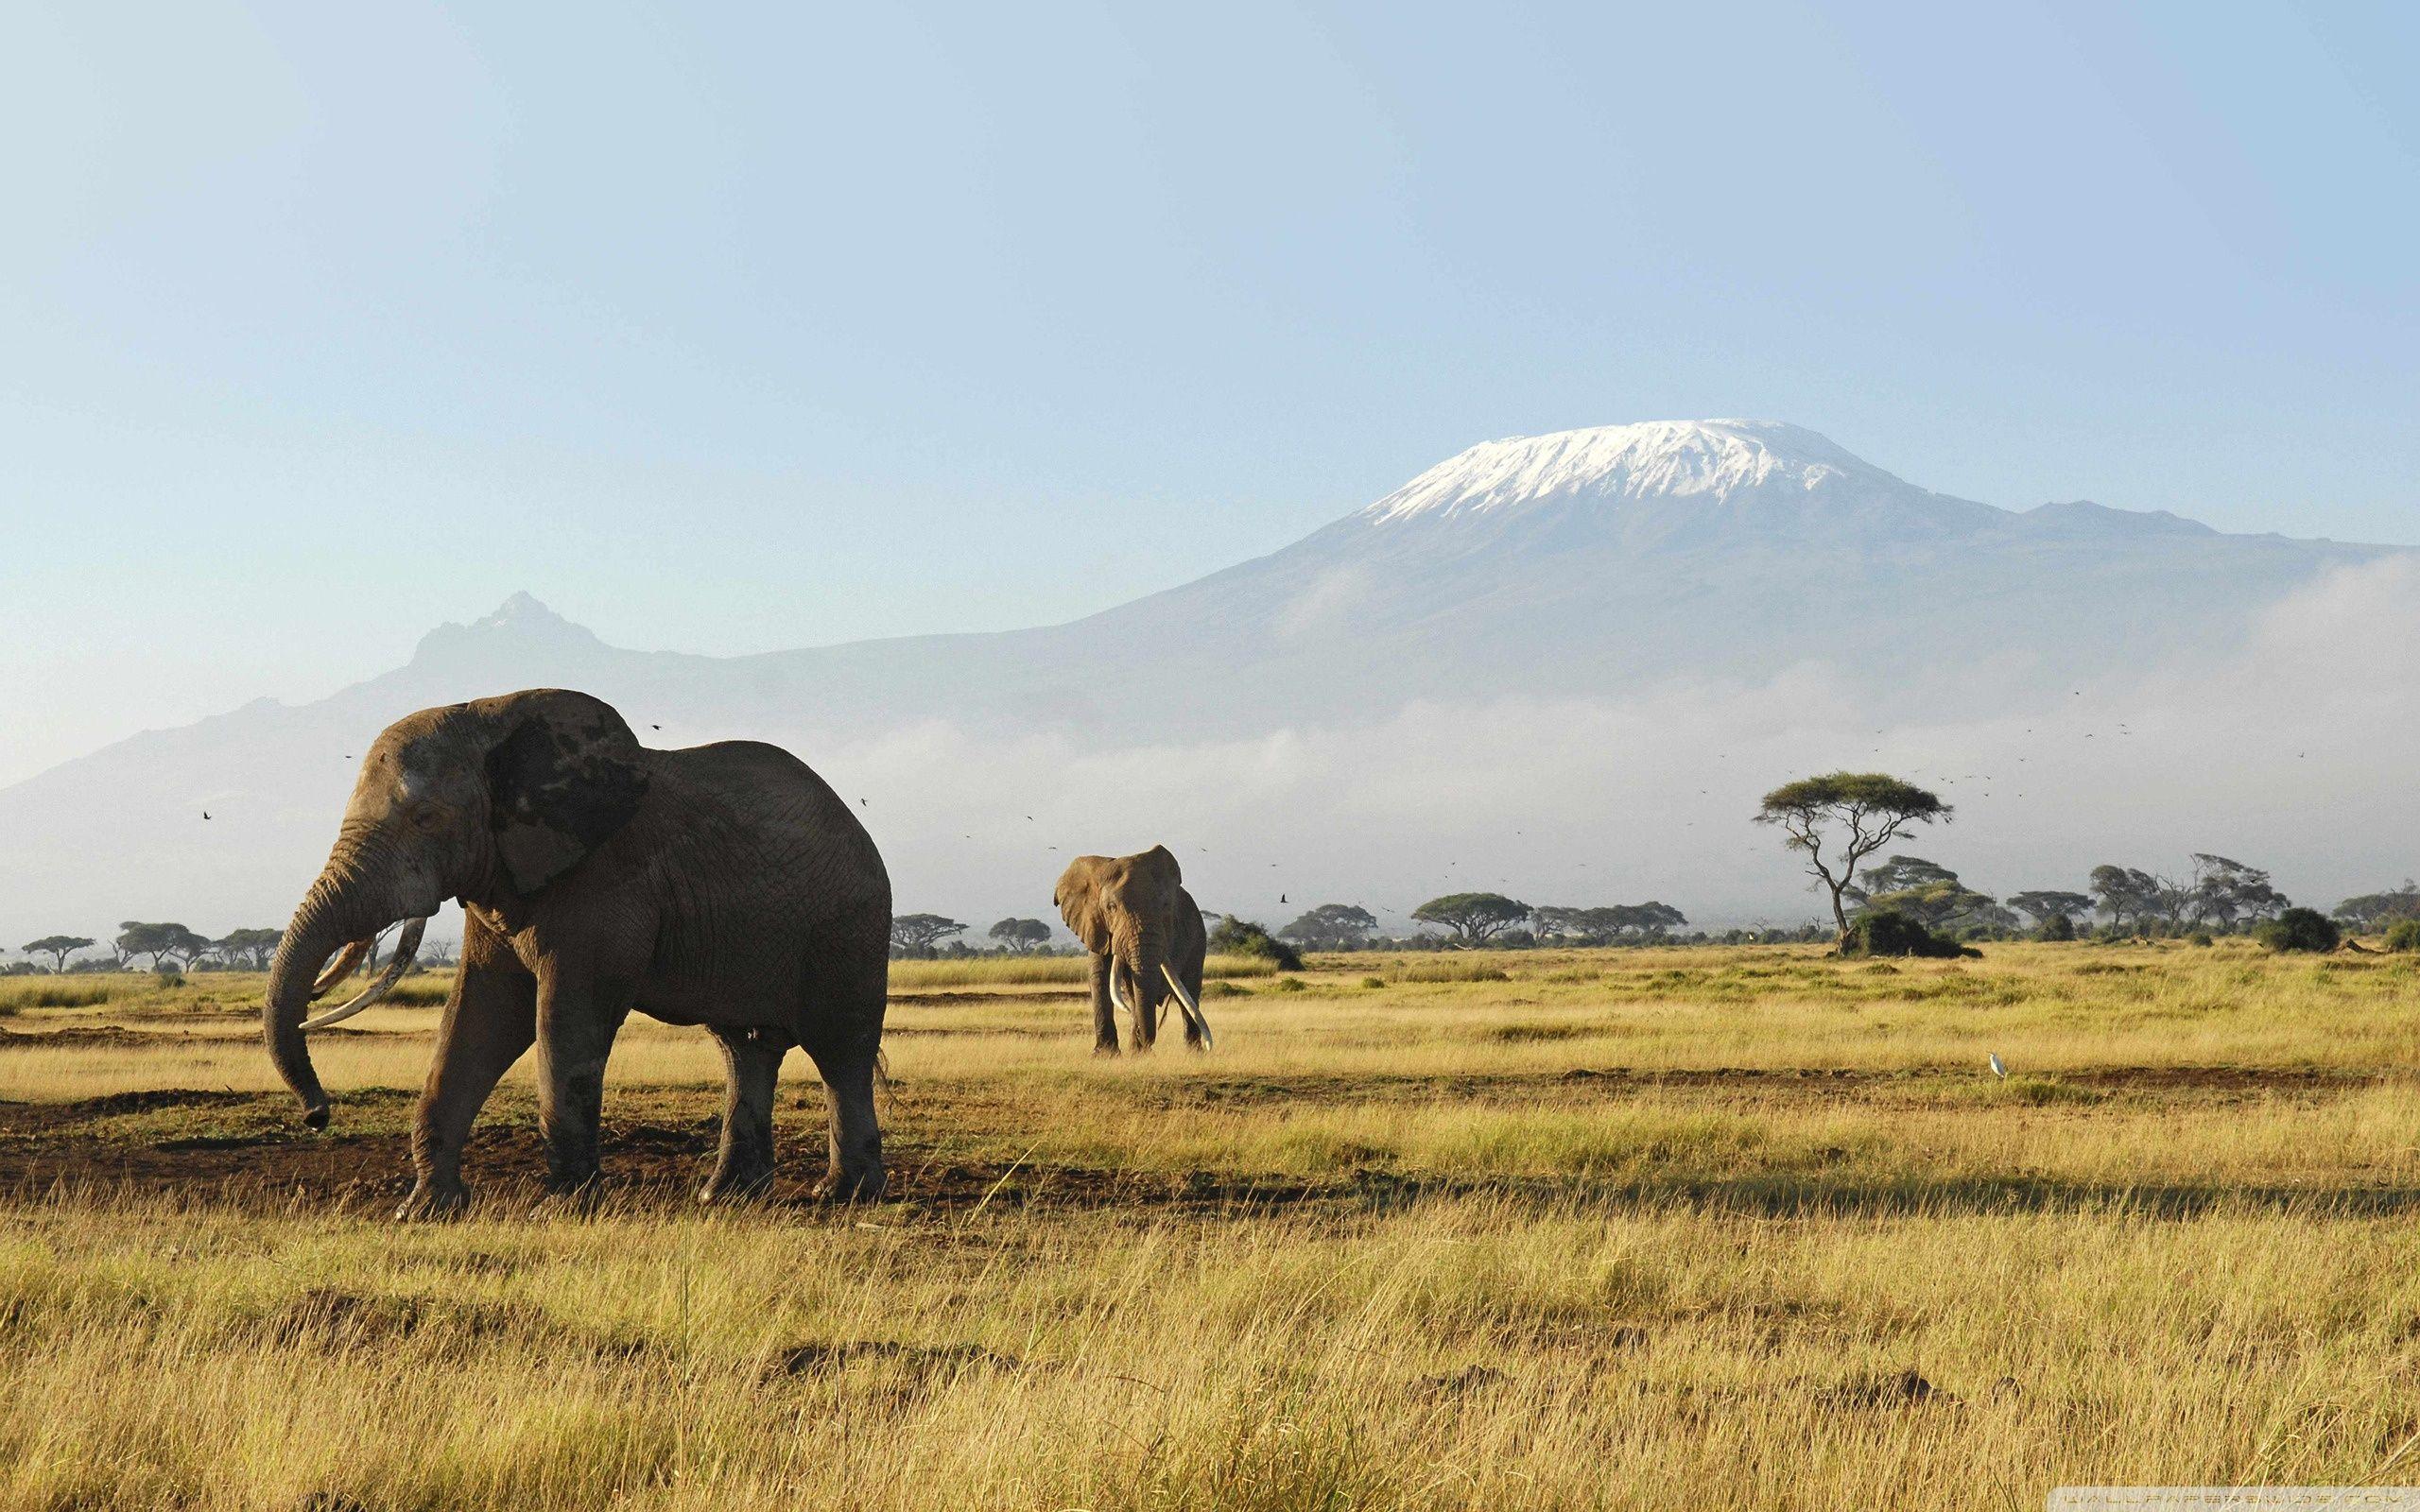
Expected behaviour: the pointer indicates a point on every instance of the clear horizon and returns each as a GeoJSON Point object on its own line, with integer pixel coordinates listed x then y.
{"type": "Point", "coordinates": [745, 331]}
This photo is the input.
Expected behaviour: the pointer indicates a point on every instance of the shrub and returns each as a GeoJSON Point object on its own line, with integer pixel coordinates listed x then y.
{"type": "Point", "coordinates": [1289, 984]}
{"type": "Point", "coordinates": [1380, 981]}
{"type": "Point", "coordinates": [1884, 932]}
{"type": "Point", "coordinates": [2403, 934]}
{"type": "Point", "coordinates": [1453, 968]}
{"type": "Point", "coordinates": [2057, 927]}
{"type": "Point", "coordinates": [2300, 928]}
{"type": "Point", "coordinates": [1241, 937]}
{"type": "Point", "coordinates": [56, 994]}
{"type": "Point", "coordinates": [2200, 936]}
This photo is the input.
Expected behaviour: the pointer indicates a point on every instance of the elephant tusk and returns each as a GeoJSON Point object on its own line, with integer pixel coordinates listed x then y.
{"type": "Point", "coordinates": [1185, 999]}
{"type": "Point", "coordinates": [342, 967]}
{"type": "Point", "coordinates": [1114, 1001]}
{"type": "Point", "coordinates": [407, 947]}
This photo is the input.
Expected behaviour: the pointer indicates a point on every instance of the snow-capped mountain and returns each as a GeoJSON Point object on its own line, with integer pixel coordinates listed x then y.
{"type": "Point", "coordinates": [1601, 564]}
{"type": "Point", "coordinates": [1675, 468]}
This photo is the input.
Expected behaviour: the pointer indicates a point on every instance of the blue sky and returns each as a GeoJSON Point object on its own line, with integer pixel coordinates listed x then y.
{"type": "Point", "coordinates": [734, 328]}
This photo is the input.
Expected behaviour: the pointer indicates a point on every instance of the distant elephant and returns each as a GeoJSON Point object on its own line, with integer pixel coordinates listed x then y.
{"type": "Point", "coordinates": [723, 885]}
{"type": "Point", "coordinates": [1146, 935]}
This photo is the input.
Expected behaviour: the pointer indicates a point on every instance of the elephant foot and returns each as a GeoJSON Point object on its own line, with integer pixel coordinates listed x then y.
{"type": "Point", "coordinates": [1105, 1050]}
{"type": "Point", "coordinates": [858, 1186]}
{"type": "Point", "coordinates": [737, 1186]}
{"type": "Point", "coordinates": [434, 1202]}
{"type": "Point", "coordinates": [574, 1194]}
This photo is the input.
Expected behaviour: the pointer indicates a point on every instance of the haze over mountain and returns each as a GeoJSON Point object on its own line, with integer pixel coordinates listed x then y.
{"type": "Point", "coordinates": [1564, 666]}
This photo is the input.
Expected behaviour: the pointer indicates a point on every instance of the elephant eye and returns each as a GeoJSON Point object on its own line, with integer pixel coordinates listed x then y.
{"type": "Point", "coordinates": [424, 816]}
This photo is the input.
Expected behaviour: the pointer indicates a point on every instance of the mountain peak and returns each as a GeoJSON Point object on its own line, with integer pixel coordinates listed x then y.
{"type": "Point", "coordinates": [521, 621]}
{"type": "Point", "coordinates": [1713, 458]}
{"type": "Point", "coordinates": [521, 611]}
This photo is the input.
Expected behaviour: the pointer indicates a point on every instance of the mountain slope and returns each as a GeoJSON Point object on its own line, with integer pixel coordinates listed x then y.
{"type": "Point", "coordinates": [1585, 564]}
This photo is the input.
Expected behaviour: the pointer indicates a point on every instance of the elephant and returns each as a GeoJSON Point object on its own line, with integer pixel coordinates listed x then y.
{"type": "Point", "coordinates": [1145, 937]}
{"type": "Point", "coordinates": [723, 885]}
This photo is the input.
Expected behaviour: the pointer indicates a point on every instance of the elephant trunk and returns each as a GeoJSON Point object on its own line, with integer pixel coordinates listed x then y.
{"type": "Point", "coordinates": [1134, 966]}
{"type": "Point", "coordinates": [343, 908]}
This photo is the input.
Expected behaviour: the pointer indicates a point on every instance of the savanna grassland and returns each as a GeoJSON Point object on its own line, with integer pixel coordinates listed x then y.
{"type": "Point", "coordinates": [1681, 1228]}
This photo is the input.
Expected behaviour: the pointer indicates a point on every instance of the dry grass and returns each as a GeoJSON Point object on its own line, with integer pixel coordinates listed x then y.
{"type": "Point", "coordinates": [1023, 970]}
{"type": "Point", "coordinates": [1661, 1230]}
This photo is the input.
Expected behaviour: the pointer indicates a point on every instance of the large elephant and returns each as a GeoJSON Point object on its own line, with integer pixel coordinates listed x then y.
{"type": "Point", "coordinates": [1146, 935]}
{"type": "Point", "coordinates": [723, 885]}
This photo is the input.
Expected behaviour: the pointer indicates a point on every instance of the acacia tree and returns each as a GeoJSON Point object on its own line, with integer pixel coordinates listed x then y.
{"type": "Point", "coordinates": [1331, 927]}
{"type": "Point", "coordinates": [1021, 935]}
{"type": "Point", "coordinates": [1838, 819]}
{"type": "Point", "coordinates": [911, 933]}
{"type": "Point", "coordinates": [2134, 898]}
{"type": "Point", "coordinates": [1928, 893]}
{"type": "Point", "coordinates": [246, 947]}
{"type": "Point", "coordinates": [162, 942]}
{"type": "Point", "coordinates": [2227, 895]}
{"type": "Point", "coordinates": [1634, 922]}
{"type": "Point", "coordinates": [58, 947]}
{"type": "Point", "coordinates": [1474, 917]}
{"type": "Point", "coordinates": [2043, 907]}
{"type": "Point", "coordinates": [2369, 910]}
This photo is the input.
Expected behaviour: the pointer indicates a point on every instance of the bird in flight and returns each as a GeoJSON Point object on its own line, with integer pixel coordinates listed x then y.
{"type": "Point", "coordinates": [205, 813]}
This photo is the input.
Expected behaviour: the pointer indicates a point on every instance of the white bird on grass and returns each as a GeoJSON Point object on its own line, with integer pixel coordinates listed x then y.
{"type": "Point", "coordinates": [1999, 1070]}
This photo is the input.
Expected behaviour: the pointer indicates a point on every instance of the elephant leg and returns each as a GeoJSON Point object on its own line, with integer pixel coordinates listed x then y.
{"type": "Point", "coordinates": [853, 1138]}
{"type": "Point", "coordinates": [752, 1059]}
{"type": "Point", "coordinates": [577, 1023]}
{"type": "Point", "coordinates": [490, 1018]}
{"type": "Point", "coordinates": [1104, 1015]}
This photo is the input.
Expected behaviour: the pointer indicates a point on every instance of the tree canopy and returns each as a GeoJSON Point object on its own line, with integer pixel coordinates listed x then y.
{"type": "Point", "coordinates": [1608, 925]}
{"type": "Point", "coordinates": [162, 942]}
{"type": "Point", "coordinates": [58, 947]}
{"type": "Point", "coordinates": [1853, 814]}
{"type": "Point", "coordinates": [2044, 905]}
{"type": "Point", "coordinates": [1474, 917]}
{"type": "Point", "coordinates": [2371, 910]}
{"type": "Point", "coordinates": [2227, 895]}
{"type": "Point", "coordinates": [246, 947]}
{"type": "Point", "coordinates": [922, 932]}
{"type": "Point", "coordinates": [1331, 927]}
{"type": "Point", "coordinates": [1021, 933]}
{"type": "Point", "coordinates": [2135, 898]}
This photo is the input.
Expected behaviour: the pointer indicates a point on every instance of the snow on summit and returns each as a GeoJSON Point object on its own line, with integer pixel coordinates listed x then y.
{"type": "Point", "coordinates": [1668, 458]}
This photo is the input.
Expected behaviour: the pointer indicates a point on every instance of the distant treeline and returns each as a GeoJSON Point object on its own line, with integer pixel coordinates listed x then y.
{"type": "Point", "coordinates": [169, 947]}
{"type": "Point", "coordinates": [2215, 896]}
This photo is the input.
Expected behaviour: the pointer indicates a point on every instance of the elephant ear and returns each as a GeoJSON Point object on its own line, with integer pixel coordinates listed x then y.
{"type": "Point", "coordinates": [563, 779]}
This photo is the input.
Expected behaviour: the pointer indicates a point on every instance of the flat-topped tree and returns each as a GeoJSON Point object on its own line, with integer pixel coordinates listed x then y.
{"type": "Point", "coordinates": [2044, 905]}
{"type": "Point", "coordinates": [1021, 935]}
{"type": "Point", "coordinates": [1838, 819]}
{"type": "Point", "coordinates": [1474, 917]}
{"type": "Point", "coordinates": [250, 946]}
{"type": "Point", "coordinates": [1331, 927]}
{"type": "Point", "coordinates": [163, 942]}
{"type": "Point", "coordinates": [912, 933]}
{"type": "Point", "coordinates": [58, 947]}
